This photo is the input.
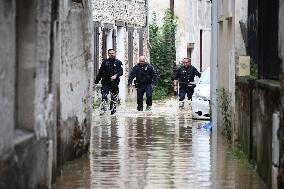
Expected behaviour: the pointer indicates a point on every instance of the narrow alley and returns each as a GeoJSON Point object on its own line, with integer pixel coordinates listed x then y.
{"type": "Point", "coordinates": [162, 148]}
{"type": "Point", "coordinates": [92, 94]}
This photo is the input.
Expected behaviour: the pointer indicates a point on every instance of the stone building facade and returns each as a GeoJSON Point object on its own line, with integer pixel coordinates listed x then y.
{"type": "Point", "coordinates": [193, 37]}
{"type": "Point", "coordinates": [252, 31]}
{"type": "Point", "coordinates": [121, 25]}
{"type": "Point", "coordinates": [230, 45]}
{"type": "Point", "coordinates": [46, 71]}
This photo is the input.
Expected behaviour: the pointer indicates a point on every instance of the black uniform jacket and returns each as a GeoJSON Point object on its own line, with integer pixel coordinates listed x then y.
{"type": "Point", "coordinates": [109, 68]}
{"type": "Point", "coordinates": [185, 76]}
{"type": "Point", "coordinates": [145, 74]}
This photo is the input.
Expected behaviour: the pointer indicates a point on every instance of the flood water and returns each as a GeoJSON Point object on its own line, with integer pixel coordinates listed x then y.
{"type": "Point", "coordinates": [158, 149]}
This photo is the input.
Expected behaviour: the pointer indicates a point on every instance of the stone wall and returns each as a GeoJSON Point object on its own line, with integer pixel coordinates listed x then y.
{"type": "Point", "coordinates": [76, 76]}
{"type": "Point", "coordinates": [131, 12]}
{"type": "Point", "coordinates": [7, 90]}
{"type": "Point", "coordinates": [46, 78]}
{"type": "Point", "coordinates": [132, 15]}
{"type": "Point", "coordinates": [281, 130]}
{"type": "Point", "coordinates": [265, 102]}
{"type": "Point", "coordinates": [7, 74]}
{"type": "Point", "coordinates": [243, 115]}
{"type": "Point", "coordinates": [26, 66]}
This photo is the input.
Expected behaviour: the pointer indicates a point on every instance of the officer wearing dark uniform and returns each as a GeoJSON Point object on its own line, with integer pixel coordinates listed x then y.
{"type": "Point", "coordinates": [185, 76]}
{"type": "Point", "coordinates": [109, 73]}
{"type": "Point", "coordinates": [146, 77]}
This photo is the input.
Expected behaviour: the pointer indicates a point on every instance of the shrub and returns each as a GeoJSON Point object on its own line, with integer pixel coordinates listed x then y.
{"type": "Point", "coordinates": [159, 93]}
{"type": "Point", "coordinates": [162, 51]}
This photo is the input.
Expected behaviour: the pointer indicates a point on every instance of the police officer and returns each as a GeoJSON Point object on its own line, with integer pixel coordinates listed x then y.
{"type": "Point", "coordinates": [146, 77]}
{"type": "Point", "coordinates": [185, 76]}
{"type": "Point", "coordinates": [109, 73]}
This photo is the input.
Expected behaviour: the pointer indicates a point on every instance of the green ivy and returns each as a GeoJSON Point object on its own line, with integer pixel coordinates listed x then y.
{"type": "Point", "coordinates": [159, 93]}
{"type": "Point", "coordinates": [162, 49]}
{"type": "Point", "coordinates": [253, 71]}
{"type": "Point", "coordinates": [224, 102]}
{"type": "Point", "coordinates": [97, 103]}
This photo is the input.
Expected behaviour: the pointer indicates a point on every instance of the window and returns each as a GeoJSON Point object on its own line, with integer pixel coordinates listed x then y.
{"type": "Point", "coordinates": [96, 49]}
{"type": "Point", "coordinates": [263, 40]}
{"type": "Point", "coordinates": [26, 63]}
{"type": "Point", "coordinates": [130, 48]}
{"type": "Point", "coordinates": [269, 62]}
{"type": "Point", "coordinates": [114, 36]}
{"type": "Point", "coordinates": [104, 43]}
{"type": "Point", "coordinates": [141, 41]}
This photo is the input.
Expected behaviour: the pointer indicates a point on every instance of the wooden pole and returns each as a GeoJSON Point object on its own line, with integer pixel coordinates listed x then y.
{"type": "Point", "coordinates": [172, 11]}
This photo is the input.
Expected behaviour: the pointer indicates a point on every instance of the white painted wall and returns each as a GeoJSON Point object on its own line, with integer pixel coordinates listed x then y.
{"type": "Point", "coordinates": [193, 16]}
{"type": "Point", "coordinates": [214, 65]}
{"type": "Point", "coordinates": [181, 35]}
{"type": "Point", "coordinates": [159, 7]}
{"type": "Point", "coordinates": [121, 56]}
{"type": "Point", "coordinates": [240, 8]}
{"type": "Point", "coordinates": [109, 40]}
{"type": "Point", "coordinates": [206, 49]}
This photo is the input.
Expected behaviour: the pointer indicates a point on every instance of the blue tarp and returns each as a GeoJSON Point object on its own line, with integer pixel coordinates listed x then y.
{"type": "Point", "coordinates": [207, 127]}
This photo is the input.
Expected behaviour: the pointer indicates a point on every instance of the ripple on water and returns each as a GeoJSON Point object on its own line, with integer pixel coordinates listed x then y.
{"type": "Point", "coordinates": [163, 148]}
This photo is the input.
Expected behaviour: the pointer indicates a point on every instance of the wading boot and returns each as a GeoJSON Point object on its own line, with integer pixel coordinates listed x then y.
{"type": "Point", "coordinates": [103, 107]}
{"type": "Point", "coordinates": [181, 105]}
{"type": "Point", "coordinates": [148, 108]}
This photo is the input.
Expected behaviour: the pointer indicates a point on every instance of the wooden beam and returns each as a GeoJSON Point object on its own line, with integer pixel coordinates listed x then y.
{"type": "Point", "coordinates": [172, 7]}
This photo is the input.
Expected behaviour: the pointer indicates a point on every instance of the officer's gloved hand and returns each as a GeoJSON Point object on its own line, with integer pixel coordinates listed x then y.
{"type": "Point", "coordinates": [113, 77]}
{"type": "Point", "coordinates": [129, 88]}
{"type": "Point", "coordinates": [175, 88]}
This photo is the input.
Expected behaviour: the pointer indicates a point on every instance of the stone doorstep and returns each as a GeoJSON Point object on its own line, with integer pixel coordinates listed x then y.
{"type": "Point", "coordinates": [266, 83]}
{"type": "Point", "coordinates": [270, 84]}
{"type": "Point", "coordinates": [21, 136]}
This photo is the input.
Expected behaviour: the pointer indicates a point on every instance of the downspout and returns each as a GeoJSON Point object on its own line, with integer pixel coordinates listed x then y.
{"type": "Point", "coordinates": [251, 88]}
{"type": "Point", "coordinates": [201, 41]}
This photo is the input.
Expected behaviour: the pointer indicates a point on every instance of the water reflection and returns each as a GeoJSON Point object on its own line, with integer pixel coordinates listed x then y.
{"type": "Point", "coordinates": [159, 149]}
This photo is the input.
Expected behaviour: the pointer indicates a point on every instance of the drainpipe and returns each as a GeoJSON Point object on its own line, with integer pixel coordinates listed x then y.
{"type": "Point", "coordinates": [251, 87]}
{"type": "Point", "coordinates": [201, 41]}
{"type": "Point", "coordinates": [275, 149]}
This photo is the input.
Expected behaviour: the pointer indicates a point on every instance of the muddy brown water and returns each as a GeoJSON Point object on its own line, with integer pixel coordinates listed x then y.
{"type": "Point", "coordinates": [158, 149]}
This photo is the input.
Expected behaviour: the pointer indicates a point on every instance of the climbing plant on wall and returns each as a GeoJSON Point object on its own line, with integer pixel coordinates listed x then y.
{"type": "Point", "coordinates": [224, 102]}
{"type": "Point", "coordinates": [162, 49]}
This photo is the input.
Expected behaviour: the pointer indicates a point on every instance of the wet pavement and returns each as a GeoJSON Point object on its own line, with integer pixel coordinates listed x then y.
{"type": "Point", "coordinates": [157, 149]}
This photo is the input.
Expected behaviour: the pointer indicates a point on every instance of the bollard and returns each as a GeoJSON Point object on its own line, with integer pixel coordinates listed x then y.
{"type": "Point", "coordinates": [275, 149]}
{"type": "Point", "coordinates": [49, 163]}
